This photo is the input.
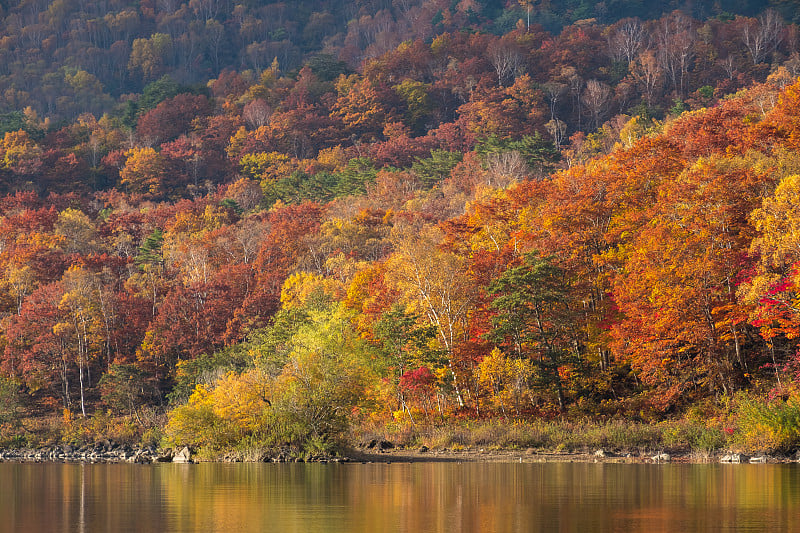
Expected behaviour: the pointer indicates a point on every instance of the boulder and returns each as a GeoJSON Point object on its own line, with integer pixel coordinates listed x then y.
{"type": "Point", "coordinates": [165, 456]}
{"type": "Point", "coordinates": [661, 458]}
{"type": "Point", "coordinates": [141, 459]}
{"type": "Point", "coordinates": [733, 458]}
{"type": "Point", "coordinates": [182, 456]}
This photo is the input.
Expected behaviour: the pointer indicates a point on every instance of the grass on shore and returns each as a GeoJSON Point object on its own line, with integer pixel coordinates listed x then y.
{"type": "Point", "coordinates": [745, 424]}
{"type": "Point", "coordinates": [558, 436]}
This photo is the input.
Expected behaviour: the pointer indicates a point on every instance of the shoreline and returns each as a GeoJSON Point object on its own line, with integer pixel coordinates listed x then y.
{"type": "Point", "coordinates": [544, 456]}
{"type": "Point", "coordinates": [110, 453]}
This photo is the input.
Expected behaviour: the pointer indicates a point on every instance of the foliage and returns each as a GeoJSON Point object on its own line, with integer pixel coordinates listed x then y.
{"type": "Point", "coordinates": [11, 402]}
{"type": "Point", "coordinates": [537, 152]}
{"type": "Point", "coordinates": [767, 425]}
{"type": "Point", "coordinates": [437, 167]}
{"type": "Point", "coordinates": [205, 370]}
{"type": "Point", "coordinates": [354, 231]}
{"type": "Point", "coordinates": [306, 401]}
{"type": "Point", "coordinates": [533, 321]}
{"type": "Point", "coordinates": [124, 388]}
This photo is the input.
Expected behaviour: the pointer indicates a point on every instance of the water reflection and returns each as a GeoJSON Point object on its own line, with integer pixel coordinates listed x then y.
{"type": "Point", "coordinates": [433, 497]}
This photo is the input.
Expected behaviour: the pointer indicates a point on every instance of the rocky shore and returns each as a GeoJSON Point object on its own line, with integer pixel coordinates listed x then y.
{"type": "Point", "coordinates": [389, 454]}
{"type": "Point", "coordinates": [111, 452]}
{"type": "Point", "coordinates": [375, 452]}
{"type": "Point", "coordinates": [104, 452]}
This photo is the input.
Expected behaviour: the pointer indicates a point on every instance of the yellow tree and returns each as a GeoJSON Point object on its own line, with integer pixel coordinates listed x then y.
{"type": "Point", "coordinates": [506, 378]}
{"type": "Point", "coordinates": [82, 323]}
{"type": "Point", "coordinates": [77, 231]}
{"type": "Point", "coordinates": [21, 281]}
{"type": "Point", "coordinates": [361, 106]}
{"type": "Point", "coordinates": [774, 290]}
{"type": "Point", "coordinates": [433, 282]}
{"type": "Point", "coordinates": [19, 153]}
{"type": "Point", "coordinates": [143, 171]}
{"type": "Point", "coordinates": [778, 223]}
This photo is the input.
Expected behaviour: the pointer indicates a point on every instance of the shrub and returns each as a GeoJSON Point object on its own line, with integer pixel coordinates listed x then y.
{"type": "Point", "coordinates": [767, 425]}
{"type": "Point", "coordinates": [10, 402]}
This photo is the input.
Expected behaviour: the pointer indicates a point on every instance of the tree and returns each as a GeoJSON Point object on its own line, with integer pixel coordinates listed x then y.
{"type": "Point", "coordinates": [325, 376]}
{"type": "Point", "coordinates": [171, 118]}
{"type": "Point", "coordinates": [81, 324]}
{"type": "Point", "coordinates": [596, 97]}
{"type": "Point", "coordinates": [763, 35]}
{"type": "Point", "coordinates": [151, 56]}
{"type": "Point", "coordinates": [435, 168]}
{"type": "Point", "coordinates": [537, 153]}
{"type": "Point", "coordinates": [256, 113]}
{"type": "Point", "coordinates": [77, 231]}
{"type": "Point", "coordinates": [405, 344]}
{"type": "Point", "coordinates": [415, 95]}
{"type": "Point", "coordinates": [10, 403]}
{"type": "Point", "coordinates": [19, 153]}
{"type": "Point", "coordinates": [21, 281]}
{"type": "Point", "coordinates": [647, 74]}
{"type": "Point", "coordinates": [124, 388]}
{"type": "Point", "coordinates": [507, 378]}
{"type": "Point", "coordinates": [675, 48]}
{"type": "Point", "coordinates": [362, 106]}
{"type": "Point", "coordinates": [192, 319]}
{"type": "Point", "coordinates": [433, 282]}
{"type": "Point", "coordinates": [35, 350]}
{"type": "Point", "coordinates": [534, 318]}
{"type": "Point", "coordinates": [627, 39]}
{"type": "Point", "coordinates": [143, 172]}
{"type": "Point", "coordinates": [506, 60]}
{"type": "Point", "coordinates": [773, 289]}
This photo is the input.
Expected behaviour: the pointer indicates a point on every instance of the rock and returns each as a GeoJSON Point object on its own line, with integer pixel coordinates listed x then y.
{"type": "Point", "coordinates": [733, 458]}
{"type": "Point", "coordinates": [759, 459]}
{"type": "Point", "coordinates": [143, 459]}
{"type": "Point", "coordinates": [386, 445]}
{"type": "Point", "coordinates": [165, 456]}
{"type": "Point", "coordinates": [183, 456]}
{"type": "Point", "coordinates": [423, 449]}
{"type": "Point", "coordinates": [600, 453]}
{"type": "Point", "coordinates": [661, 458]}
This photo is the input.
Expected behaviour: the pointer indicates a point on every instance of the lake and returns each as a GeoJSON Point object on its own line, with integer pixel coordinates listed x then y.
{"type": "Point", "coordinates": [418, 497]}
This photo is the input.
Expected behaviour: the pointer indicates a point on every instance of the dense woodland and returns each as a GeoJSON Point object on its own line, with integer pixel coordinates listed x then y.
{"type": "Point", "coordinates": [272, 220]}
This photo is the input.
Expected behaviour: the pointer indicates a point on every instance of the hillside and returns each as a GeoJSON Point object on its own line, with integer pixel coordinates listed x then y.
{"type": "Point", "coordinates": [465, 226]}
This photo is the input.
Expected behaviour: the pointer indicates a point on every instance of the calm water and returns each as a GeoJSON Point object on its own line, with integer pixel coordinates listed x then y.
{"type": "Point", "coordinates": [376, 498]}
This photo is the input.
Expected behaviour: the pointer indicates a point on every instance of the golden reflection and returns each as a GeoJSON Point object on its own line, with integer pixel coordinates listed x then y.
{"type": "Point", "coordinates": [422, 497]}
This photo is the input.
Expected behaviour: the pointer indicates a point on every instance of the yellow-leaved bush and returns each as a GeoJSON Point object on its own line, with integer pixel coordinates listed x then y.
{"type": "Point", "coordinates": [221, 415]}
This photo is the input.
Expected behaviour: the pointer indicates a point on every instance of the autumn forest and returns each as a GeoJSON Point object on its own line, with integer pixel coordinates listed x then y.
{"type": "Point", "coordinates": [272, 224]}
